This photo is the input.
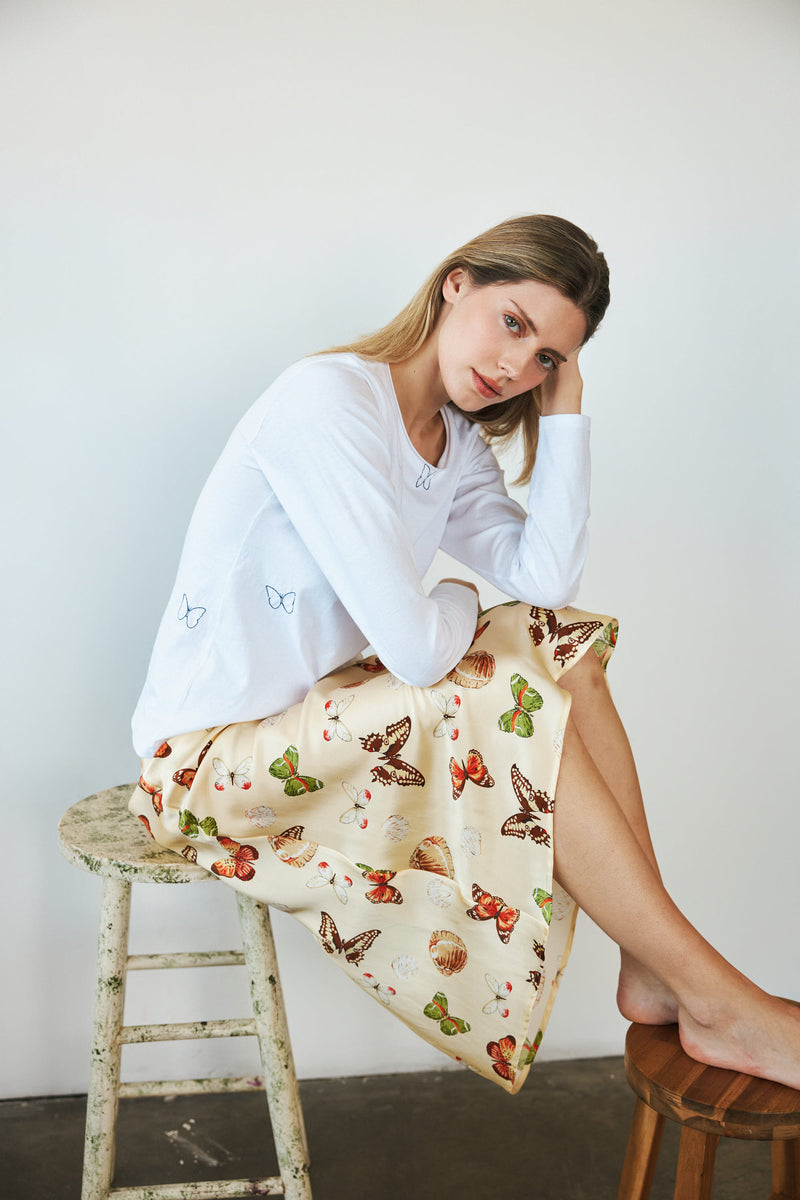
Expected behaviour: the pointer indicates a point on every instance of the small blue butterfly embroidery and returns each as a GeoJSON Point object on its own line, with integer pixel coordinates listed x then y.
{"type": "Point", "coordinates": [284, 600]}
{"type": "Point", "coordinates": [190, 615]}
{"type": "Point", "coordinates": [425, 476]}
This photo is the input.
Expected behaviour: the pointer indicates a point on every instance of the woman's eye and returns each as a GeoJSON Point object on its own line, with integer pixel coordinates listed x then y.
{"type": "Point", "coordinates": [512, 323]}
{"type": "Point", "coordinates": [547, 362]}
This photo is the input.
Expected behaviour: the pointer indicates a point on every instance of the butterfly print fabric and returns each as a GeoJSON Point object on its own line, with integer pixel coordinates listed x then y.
{"type": "Point", "coordinates": [409, 829]}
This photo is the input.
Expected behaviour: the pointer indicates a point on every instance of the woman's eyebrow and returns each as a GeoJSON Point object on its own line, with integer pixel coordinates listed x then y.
{"type": "Point", "coordinates": [532, 327]}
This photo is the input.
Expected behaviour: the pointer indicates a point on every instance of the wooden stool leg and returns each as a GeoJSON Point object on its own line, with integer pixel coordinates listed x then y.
{"type": "Point", "coordinates": [280, 1080]}
{"type": "Point", "coordinates": [786, 1170]}
{"type": "Point", "coordinates": [644, 1143]}
{"type": "Point", "coordinates": [695, 1165]}
{"type": "Point", "coordinates": [101, 1107]}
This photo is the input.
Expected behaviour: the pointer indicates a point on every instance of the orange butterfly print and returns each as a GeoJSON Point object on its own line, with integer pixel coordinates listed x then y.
{"type": "Point", "coordinates": [527, 822]}
{"type": "Point", "coordinates": [492, 908]}
{"type": "Point", "coordinates": [185, 777]}
{"type": "Point", "coordinates": [354, 948]}
{"type": "Point", "coordinates": [474, 768]}
{"type": "Point", "coordinates": [568, 638]}
{"type": "Point", "coordinates": [146, 824]}
{"type": "Point", "coordinates": [383, 891]}
{"type": "Point", "coordinates": [163, 750]}
{"type": "Point", "coordinates": [239, 862]}
{"type": "Point", "coordinates": [154, 794]}
{"type": "Point", "coordinates": [501, 1054]}
{"type": "Point", "coordinates": [388, 745]}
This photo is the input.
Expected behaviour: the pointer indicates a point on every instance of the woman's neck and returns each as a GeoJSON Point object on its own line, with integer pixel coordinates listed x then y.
{"type": "Point", "coordinates": [420, 398]}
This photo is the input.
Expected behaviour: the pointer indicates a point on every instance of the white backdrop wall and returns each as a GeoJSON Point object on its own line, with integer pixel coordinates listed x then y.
{"type": "Point", "coordinates": [196, 193]}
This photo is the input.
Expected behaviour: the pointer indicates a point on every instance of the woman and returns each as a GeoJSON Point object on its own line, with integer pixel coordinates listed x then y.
{"type": "Point", "coordinates": [414, 809]}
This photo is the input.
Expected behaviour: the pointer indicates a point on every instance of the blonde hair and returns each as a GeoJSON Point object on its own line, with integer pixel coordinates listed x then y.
{"type": "Point", "coordinates": [547, 249]}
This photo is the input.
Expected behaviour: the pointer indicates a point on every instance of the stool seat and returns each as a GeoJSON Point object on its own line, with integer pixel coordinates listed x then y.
{"type": "Point", "coordinates": [708, 1103]}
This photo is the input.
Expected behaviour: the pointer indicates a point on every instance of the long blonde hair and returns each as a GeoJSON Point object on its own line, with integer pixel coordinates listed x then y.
{"type": "Point", "coordinates": [547, 249]}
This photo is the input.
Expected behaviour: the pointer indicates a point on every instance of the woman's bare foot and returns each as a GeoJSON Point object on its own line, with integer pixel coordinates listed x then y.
{"type": "Point", "coordinates": [759, 1035]}
{"type": "Point", "coordinates": [642, 997]}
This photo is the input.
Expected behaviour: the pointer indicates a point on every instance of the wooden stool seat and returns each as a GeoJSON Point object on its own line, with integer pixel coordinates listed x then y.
{"type": "Point", "coordinates": [708, 1103]}
{"type": "Point", "coordinates": [99, 835]}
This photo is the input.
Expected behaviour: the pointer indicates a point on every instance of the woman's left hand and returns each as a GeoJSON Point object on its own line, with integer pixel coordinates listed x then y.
{"type": "Point", "coordinates": [561, 391]}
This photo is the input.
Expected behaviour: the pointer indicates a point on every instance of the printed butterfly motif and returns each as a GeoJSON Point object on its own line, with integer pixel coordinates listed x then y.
{"type": "Point", "coordinates": [529, 1048]}
{"type": "Point", "coordinates": [527, 822]}
{"type": "Point", "coordinates": [605, 642]}
{"type": "Point", "coordinates": [146, 824]}
{"type": "Point", "coordinates": [292, 848]}
{"type": "Point", "coordinates": [163, 751]}
{"type": "Point", "coordinates": [448, 706]}
{"type": "Point", "coordinates": [501, 1054]}
{"type": "Point", "coordinates": [359, 800]}
{"type": "Point", "coordinates": [388, 745]}
{"type": "Point", "coordinates": [353, 949]}
{"type": "Point", "coordinates": [238, 777]}
{"type": "Point", "coordinates": [191, 827]}
{"type": "Point", "coordinates": [239, 863]}
{"type": "Point", "coordinates": [327, 876]}
{"type": "Point", "coordinates": [336, 727]}
{"type": "Point", "coordinates": [188, 614]}
{"type": "Point", "coordinates": [568, 638]}
{"type": "Point", "coordinates": [185, 777]}
{"type": "Point", "coordinates": [383, 892]}
{"type": "Point", "coordinates": [155, 795]}
{"type": "Point", "coordinates": [474, 769]}
{"type": "Point", "coordinates": [284, 600]}
{"type": "Point", "coordinates": [424, 478]}
{"type": "Point", "coordinates": [500, 993]}
{"type": "Point", "coordinates": [526, 701]}
{"type": "Point", "coordinates": [492, 908]}
{"type": "Point", "coordinates": [539, 950]}
{"type": "Point", "coordinates": [286, 768]}
{"type": "Point", "coordinates": [544, 901]}
{"type": "Point", "coordinates": [437, 1010]}
{"type": "Point", "coordinates": [535, 977]}
{"type": "Point", "coordinates": [384, 994]}
{"type": "Point", "coordinates": [189, 853]}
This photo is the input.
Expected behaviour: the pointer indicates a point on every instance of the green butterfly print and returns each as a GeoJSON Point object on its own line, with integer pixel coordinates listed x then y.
{"type": "Point", "coordinates": [545, 902]}
{"type": "Point", "coordinates": [437, 1011]}
{"type": "Point", "coordinates": [526, 701]}
{"type": "Point", "coordinates": [191, 827]}
{"type": "Point", "coordinates": [529, 1048]}
{"type": "Point", "coordinates": [605, 642]}
{"type": "Point", "coordinates": [285, 768]}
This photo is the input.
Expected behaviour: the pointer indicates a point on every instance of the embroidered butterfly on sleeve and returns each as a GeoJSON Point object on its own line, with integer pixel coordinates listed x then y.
{"type": "Point", "coordinates": [492, 908]}
{"type": "Point", "coordinates": [474, 769]}
{"type": "Point", "coordinates": [382, 890]}
{"type": "Point", "coordinates": [392, 768]}
{"type": "Point", "coordinates": [568, 638]}
{"type": "Point", "coordinates": [284, 600]}
{"type": "Point", "coordinates": [188, 614]}
{"type": "Point", "coordinates": [353, 949]}
{"type": "Point", "coordinates": [527, 822]}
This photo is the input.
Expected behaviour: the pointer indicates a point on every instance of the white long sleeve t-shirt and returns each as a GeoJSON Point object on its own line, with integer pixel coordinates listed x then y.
{"type": "Point", "coordinates": [312, 534]}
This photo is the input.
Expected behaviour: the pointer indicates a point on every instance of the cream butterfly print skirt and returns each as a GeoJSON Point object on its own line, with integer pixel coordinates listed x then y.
{"type": "Point", "coordinates": [410, 829]}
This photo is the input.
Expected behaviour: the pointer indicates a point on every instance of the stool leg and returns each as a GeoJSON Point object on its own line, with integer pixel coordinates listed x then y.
{"type": "Point", "coordinates": [786, 1170]}
{"type": "Point", "coordinates": [102, 1101]}
{"type": "Point", "coordinates": [280, 1080]}
{"type": "Point", "coordinates": [644, 1142]}
{"type": "Point", "coordinates": [695, 1164]}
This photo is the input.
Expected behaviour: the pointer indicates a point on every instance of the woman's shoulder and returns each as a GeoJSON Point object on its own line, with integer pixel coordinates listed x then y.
{"type": "Point", "coordinates": [315, 389]}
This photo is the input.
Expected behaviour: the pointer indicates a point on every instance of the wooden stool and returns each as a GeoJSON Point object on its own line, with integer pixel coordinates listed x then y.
{"type": "Point", "coordinates": [708, 1103]}
{"type": "Point", "coordinates": [101, 836]}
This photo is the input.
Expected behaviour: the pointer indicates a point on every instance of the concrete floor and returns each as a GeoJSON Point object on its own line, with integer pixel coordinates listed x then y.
{"type": "Point", "coordinates": [429, 1135]}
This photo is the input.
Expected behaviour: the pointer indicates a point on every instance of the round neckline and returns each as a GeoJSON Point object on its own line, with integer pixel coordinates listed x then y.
{"type": "Point", "coordinates": [448, 431]}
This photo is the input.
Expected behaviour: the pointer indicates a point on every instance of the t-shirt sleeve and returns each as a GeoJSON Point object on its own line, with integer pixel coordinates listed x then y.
{"type": "Point", "coordinates": [325, 447]}
{"type": "Point", "coordinates": [536, 557]}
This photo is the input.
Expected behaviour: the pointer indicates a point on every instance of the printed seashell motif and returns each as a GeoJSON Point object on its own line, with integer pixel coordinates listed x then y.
{"type": "Point", "coordinates": [292, 848]}
{"type": "Point", "coordinates": [471, 841]}
{"type": "Point", "coordinates": [440, 892]}
{"type": "Point", "coordinates": [262, 816]}
{"type": "Point", "coordinates": [474, 670]}
{"type": "Point", "coordinates": [448, 952]}
{"type": "Point", "coordinates": [433, 854]}
{"type": "Point", "coordinates": [405, 966]}
{"type": "Point", "coordinates": [395, 827]}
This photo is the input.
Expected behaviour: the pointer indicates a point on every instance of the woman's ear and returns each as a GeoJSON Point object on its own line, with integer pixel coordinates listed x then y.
{"type": "Point", "coordinates": [454, 284]}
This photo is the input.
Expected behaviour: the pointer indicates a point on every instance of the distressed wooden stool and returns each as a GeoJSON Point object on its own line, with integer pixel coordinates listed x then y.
{"type": "Point", "coordinates": [100, 835]}
{"type": "Point", "coordinates": [708, 1103]}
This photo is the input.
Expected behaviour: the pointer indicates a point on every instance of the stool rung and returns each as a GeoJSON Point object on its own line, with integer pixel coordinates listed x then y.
{"type": "Point", "coordinates": [220, 1189]}
{"type": "Point", "coordinates": [184, 1030]}
{"type": "Point", "coordinates": [191, 1087]}
{"type": "Point", "coordinates": [201, 958]}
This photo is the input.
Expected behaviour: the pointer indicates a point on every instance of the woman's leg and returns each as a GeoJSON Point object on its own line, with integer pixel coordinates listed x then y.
{"type": "Point", "coordinates": [724, 1019]}
{"type": "Point", "coordinates": [640, 995]}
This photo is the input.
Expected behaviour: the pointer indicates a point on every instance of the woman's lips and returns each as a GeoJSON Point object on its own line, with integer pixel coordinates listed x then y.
{"type": "Point", "coordinates": [484, 387]}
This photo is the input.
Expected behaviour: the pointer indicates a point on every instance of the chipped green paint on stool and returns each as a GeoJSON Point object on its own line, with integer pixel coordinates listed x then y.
{"type": "Point", "coordinates": [100, 835]}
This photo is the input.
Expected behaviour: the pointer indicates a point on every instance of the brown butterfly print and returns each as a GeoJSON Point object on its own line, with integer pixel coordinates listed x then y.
{"type": "Point", "coordinates": [568, 638]}
{"type": "Point", "coordinates": [185, 777]}
{"type": "Point", "coordinates": [474, 768]}
{"type": "Point", "coordinates": [527, 822]}
{"type": "Point", "coordinates": [354, 948]}
{"type": "Point", "coordinates": [392, 769]}
{"type": "Point", "coordinates": [292, 848]}
{"type": "Point", "coordinates": [492, 908]}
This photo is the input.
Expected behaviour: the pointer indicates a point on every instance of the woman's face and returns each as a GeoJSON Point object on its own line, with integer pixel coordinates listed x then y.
{"type": "Point", "coordinates": [498, 341]}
